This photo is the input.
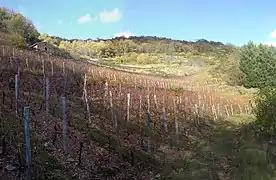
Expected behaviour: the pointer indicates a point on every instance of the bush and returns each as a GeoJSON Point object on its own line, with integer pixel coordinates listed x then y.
{"type": "Point", "coordinates": [229, 69]}
{"type": "Point", "coordinates": [258, 63]}
{"type": "Point", "coordinates": [266, 111]}
{"type": "Point", "coordinates": [148, 59]}
{"type": "Point", "coordinates": [17, 41]}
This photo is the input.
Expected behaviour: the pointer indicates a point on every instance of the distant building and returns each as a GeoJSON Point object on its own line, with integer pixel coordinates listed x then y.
{"type": "Point", "coordinates": [44, 47]}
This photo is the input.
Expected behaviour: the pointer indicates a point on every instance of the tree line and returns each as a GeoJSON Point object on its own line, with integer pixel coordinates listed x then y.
{"type": "Point", "coordinates": [108, 48]}
{"type": "Point", "coordinates": [22, 33]}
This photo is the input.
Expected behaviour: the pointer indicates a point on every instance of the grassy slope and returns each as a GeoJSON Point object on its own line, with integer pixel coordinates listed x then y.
{"type": "Point", "coordinates": [226, 149]}
{"type": "Point", "coordinates": [184, 72]}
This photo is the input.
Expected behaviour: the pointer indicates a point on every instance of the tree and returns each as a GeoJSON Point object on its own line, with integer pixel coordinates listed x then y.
{"type": "Point", "coordinates": [4, 15]}
{"type": "Point", "coordinates": [17, 25]}
{"type": "Point", "coordinates": [258, 63]}
{"type": "Point", "coordinates": [229, 67]}
{"type": "Point", "coordinates": [49, 39]}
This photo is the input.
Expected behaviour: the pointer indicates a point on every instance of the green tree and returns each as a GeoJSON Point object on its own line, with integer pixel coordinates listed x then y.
{"type": "Point", "coordinates": [49, 39]}
{"type": "Point", "coordinates": [258, 63]}
{"type": "Point", "coordinates": [229, 67]}
{"type": "Point", "coordinates": [17, 25]}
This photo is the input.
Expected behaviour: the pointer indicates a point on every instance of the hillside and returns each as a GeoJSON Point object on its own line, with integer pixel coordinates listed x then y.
{"type": "Point", "coordinates": [151, 55]}
{"type": "Point", "coordinates": [130, 108]}
{"type": "Point", "coordinates": [158, 57]}
{"type": "Point", "coordinates": [106, 137]}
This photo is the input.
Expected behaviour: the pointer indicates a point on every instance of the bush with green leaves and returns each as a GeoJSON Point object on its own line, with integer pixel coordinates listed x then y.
{"type": "Point", "coordinates": [228, 69]}
{"type": "Point", "coordinates": [17, 41]}
{"type": "Point", "coordinates": [258, 63]}
{"type": "Point", "coordinates": [266, 111]}
{"type": "Point", "coordinates": [16, 24]}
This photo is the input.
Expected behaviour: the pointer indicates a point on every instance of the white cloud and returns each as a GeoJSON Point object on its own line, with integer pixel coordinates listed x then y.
{"type": "Point", "coordinates": [125, 34]}
{"type": "Point", "coordinates": [110, 16]}
{"type": "Point", "coordinates": [273, 34]}
{"type": "Point", "coordinates": [84, 19]}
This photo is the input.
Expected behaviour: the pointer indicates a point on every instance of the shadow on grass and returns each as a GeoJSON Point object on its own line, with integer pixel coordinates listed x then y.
{"type": "Point", "coordinates": [230, 151]}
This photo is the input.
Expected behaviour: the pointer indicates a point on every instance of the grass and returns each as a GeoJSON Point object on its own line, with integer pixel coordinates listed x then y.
{"type": "Point", "coordinates": [162, 68]}
{"type": "Point", "coordinates": [184, 72]}
{"type": "Point", "coordinates": [230, 152]}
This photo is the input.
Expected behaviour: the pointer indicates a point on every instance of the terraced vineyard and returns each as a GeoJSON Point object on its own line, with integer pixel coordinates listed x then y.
{"type": "Point", "coordinates": [88, 122]}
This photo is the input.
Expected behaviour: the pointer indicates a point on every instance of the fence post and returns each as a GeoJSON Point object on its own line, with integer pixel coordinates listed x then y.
{"type": "Point", "coordinates": [196, 115]}
{"type": "Point", "coordinates": [86, 99]}
{"type": "Point", "coordinates": [16, 93]}
{"type": "Point", "coordinates": [140, 107]}
{"type": "Point", "coordinates": [52, 68]}
{"type": "Point", "coordinates": [47, 95]}
{"type": "Point", "coordinates": [28, 141]}
{"type": "Point", "coordinates": [204, 113]}
{"type": "Point", "coordinates": [176, 104]}
{"type": "Point", "coordinates": [65, 124]}
{"type": "Point", "coordinates": [128, 104]}
{"type": "Point", "coordinates": [148, 124]}
{"type": "Point", "coordinates": [111, 106]}
{"type": "Point", "coordinates": [164, 120]}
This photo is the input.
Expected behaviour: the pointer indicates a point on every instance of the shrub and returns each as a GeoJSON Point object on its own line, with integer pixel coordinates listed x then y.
{"type": "Point", "coordinates": [258, 63]}
{"type": "Point", "coordinates": [17, 41]}
{"type": "Point", "coordinates": [266, 111]}
{"type": "Point", "coordinates": [142, 58]}
{"type": "Point", "coordinates": [229, 69]}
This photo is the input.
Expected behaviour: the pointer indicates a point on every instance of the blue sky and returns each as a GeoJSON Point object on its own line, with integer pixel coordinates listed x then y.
{"type": "Point", "coordinates": [233, 21]}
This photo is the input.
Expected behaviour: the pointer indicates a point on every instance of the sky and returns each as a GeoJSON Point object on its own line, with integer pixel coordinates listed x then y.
{"type": "Point", "coordinates": [232, 21]}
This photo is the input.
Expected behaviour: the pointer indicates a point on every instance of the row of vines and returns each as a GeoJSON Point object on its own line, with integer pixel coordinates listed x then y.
{"type": "Point", "coordinates": [77, 101]}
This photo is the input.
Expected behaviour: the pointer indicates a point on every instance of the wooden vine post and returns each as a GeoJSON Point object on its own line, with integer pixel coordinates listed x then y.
{"type": "Point", "coordinates": [16, 93]}
{"type": "Point", "coordinates": [128, 106]}
{"type": "Point", "coordinates": [218, 109]}
{"type": "Point", "coordinates": [86, 99]}
{"type": "Point", "coordinates": [105, 93]}
{"type": "Point", "coordinates": [65, 82]}
{"type": "Point", "coordinates": [27, 63]}
{"type": "Point", "coordinates": [28, 141]}
{"type": "Point", "coordinates": [3, 48]}
{"type": "Point", "coordinates": [148, 124]}
{"type": "Point", "coordinates": [226, 110]}
{"type": "Point", "coordinates": [140, 108]}
{"type": "Point", "coordinates": [47, 95]}
{"type": "Point", "coordinates": [63, 68]}
{"type": "Point", "coordinates": [214, 112]}
{"type": "Point", "coordinates": [204, 113]}
{"type": "Point", "coordinates": [164, 119]}
{"type": "Point", "coordinates": [111, 106]}
{"type": "Point", "coordinates": [176, 104]}
{"type": "Point", "coordinates": [64, 125]}
{"type": "Point", "coordinates": [52, 68]}
{"type": "Point", "coordinates": [196, 116]}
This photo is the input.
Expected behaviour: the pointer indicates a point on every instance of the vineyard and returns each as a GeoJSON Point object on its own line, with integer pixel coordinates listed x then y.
{"type": "Point", "coordinates": [89, 122]}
